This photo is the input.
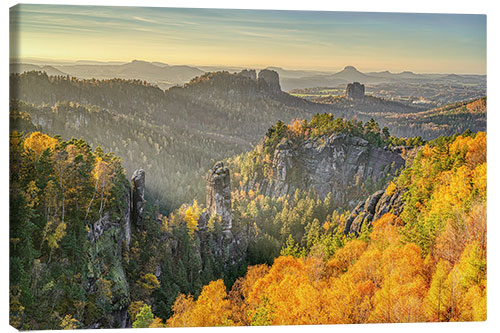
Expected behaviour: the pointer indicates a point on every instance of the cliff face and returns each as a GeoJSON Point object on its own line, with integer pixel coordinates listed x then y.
{"type": "Point", "coordinates": [108, 235]}
{"type": "Point", "coordinates": [375, 206]}
{"type": "Point", "coordinates": [339, 164]}
{"type": "Point", "coordinates": [138, 182]}
{"type": "Point", "coordinates": [269, 80]}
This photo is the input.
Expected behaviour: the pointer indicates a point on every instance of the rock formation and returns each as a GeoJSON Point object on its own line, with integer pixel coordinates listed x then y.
{"type": "Point", "coordinates": [249, 73]}
{"type": "Point", "coordinates": [355, 91]}
{"type": "Point", "coordinates": [138, 182]}
{"type": "Point", "coordinates": [219, 194]}
{"type": "Point", "coordinates": [374, 208]}
{"type": "Point", "coordinates": [269, 80]}
{"type": "Point", "coordinates": [107, 237]}
{"type": "Point", "coordinates": [339, 164]}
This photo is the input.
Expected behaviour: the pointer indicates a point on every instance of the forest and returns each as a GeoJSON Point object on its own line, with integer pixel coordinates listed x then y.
{"type": "Point", "coordinates": [177, 167]}
{"type": "Point", "coordinates": [327, 216]}
{"type": "Point", "coordinates": [175, 134]}
{"type": "Point", "coordinates": [69, 206]}
{"type": "Point", "coordinates": [179, 133]}
{"type": "Point", "coordinates": [428, 264]}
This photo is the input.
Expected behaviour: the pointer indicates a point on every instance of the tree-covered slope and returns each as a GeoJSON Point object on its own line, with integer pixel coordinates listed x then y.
{"type": "Point", "coordinates": [182, 131]}
{"type": "Point", "coordinates": [68, 209]}
{"type": "Point", "coordinates": [77, 248]}
{"type": "Point", "coordinates": [443, 121]}
{"type": "Point", "coordinates": [426, 264]}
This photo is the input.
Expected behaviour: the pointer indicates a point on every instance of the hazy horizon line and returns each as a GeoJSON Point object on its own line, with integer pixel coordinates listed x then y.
{"type": "Point", "coordinates": [63, 62]}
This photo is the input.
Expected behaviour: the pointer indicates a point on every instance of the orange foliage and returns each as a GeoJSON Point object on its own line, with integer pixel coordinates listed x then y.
{"type": "Point", "coordinates": [182, 308]}
{"type": "Point", "coordinates": [385, 230]}
{"type": "Point", "coordinates": [210, 309]}
{"type": "Point", "coordinates": [345, 257]}
{"type": "Point", "coordinates": [476, 153]}
{"type": "Point", "coordinates": [384, 278]}
{"type": "Point", "coordinates": [460, 231]}
{"type": "Point", "coordinates": [297, 127]}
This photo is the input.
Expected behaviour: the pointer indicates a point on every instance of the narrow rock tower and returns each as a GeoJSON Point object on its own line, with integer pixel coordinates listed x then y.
{"type": "Point", "coordinates": [138, 182]}
{"type": "Point", "coordinates": [355, 91]}
{"type": "Point", "coordinates": [219, 194]}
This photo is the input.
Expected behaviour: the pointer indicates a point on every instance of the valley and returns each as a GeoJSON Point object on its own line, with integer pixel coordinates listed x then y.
{"type": "Point", "coordinates": [130, 172]}
{"type": "Point", "coordinates": [208, 167]}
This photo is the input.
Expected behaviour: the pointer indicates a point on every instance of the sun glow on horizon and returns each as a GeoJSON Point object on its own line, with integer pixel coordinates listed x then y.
{"type": "Point", "coordinates": [423, 43]}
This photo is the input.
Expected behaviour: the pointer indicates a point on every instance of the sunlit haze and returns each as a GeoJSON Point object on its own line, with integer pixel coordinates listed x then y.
{"type": "Point", "coordinates": [423, 43]}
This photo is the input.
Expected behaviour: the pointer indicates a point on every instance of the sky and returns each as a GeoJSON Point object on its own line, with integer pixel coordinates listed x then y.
{"type": "Point", "coordinates": [315, 40]}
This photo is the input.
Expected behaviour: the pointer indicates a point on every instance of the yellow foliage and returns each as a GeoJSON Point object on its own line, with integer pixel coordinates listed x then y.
{"type": "Point", "coordinates": [37, 143]}
{"type": "Point", "coordinates": [32, 194]}
{"type": "Point", "coordinates": [391, 189]}
{"type": "Point", "coordinates": [54, 237]}
{"type": "Point", "coordinates": [212, 308]}
{"type": "Point", "coordinates": [157, 323]}
{"type": "Point", "coordinates": [345, 257]}
{"type": "Point", "coordinates": [427, 151]}
{"type": "Point", "coordinates": [69, 323]}
{"type": "Point", "coordinates": [460, 145]}
{"type": "Point", "coordinates": [385, 231]}
{"type": "Point", "coordinates": [479, 176]}
{"type": "Point", "coordinates": [461, 230]}
{"type": "Point", "coordinates": [182, 308]}
{"type": "Point", "coordinates": [191, 216]}
{"type": "Point", "coordinates": [474, 304]}
{"type": "Point", "coordinates": [148, 282]}
{"type": "Point", "coordinates": [102, 174]}
{"type": "Point", "coordinates": [437, 300]}
{"type": "Point", "coordinates": [134, 308]}
{"type": "Point", "coordinates": [476, 153]}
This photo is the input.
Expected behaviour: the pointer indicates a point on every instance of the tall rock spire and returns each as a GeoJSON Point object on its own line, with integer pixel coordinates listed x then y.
{"type": "Point", "coordinates": [219, 194]}
{"type": "Point", "coordinates": [138, 184]}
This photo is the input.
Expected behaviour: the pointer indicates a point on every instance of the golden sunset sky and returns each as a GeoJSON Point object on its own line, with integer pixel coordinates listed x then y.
{"type": "Point", "coordinates": [423, 43]}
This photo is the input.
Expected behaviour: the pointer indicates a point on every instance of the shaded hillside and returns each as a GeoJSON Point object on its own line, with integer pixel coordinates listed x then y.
{"type": "Point", "coordinates": [176, 134]}
{"type": "Point", "coordinates": [160, 74]}
{"type": "Point", "coordinates": [445, 121]}
{"type": "Point", "coordinates": [21, 68]}
{"type": "Point", "coordinates": [368, 104]}
{"type": "Point", "coordinates": [411, 120]}
{"type": "Point", "coordinates": [184, 130]}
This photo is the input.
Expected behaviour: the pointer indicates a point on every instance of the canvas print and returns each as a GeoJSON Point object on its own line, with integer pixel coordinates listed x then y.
{"type": "Point", "coordinates": [176, 167]}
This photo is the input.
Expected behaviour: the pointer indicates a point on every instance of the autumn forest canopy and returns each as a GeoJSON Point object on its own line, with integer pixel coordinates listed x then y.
{"type": "Point", "coordinates": [228, 202]}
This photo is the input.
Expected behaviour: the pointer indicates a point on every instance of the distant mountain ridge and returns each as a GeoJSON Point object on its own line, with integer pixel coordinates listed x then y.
{"type": "Point", "coordinates": [165, 76]}
{"type": "Point", "coordinates": [160, 74]}
{"type": "Point", "coordinates": [21, 68]}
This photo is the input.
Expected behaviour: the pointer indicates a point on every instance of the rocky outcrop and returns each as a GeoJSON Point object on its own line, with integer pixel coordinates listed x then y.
{"type": "Point", "coordinates": [231, 246]}
{"type": "Point", "coordinates": [219, 194]}
{"type": "Point", "coordinates": [339, 164]}
{"type": "Point", "coordinates": [107, 236]}
{"type": "Point", "coordinates": [355, 91]}
{"type": "Point", "coordinates": [373, 208]}
{"type": "Point", "coordinates": [269, 80]}
{"type": "Point", "coordinates": [138, 182]}
{"type": "Point", "coordinates": [249, 73]}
